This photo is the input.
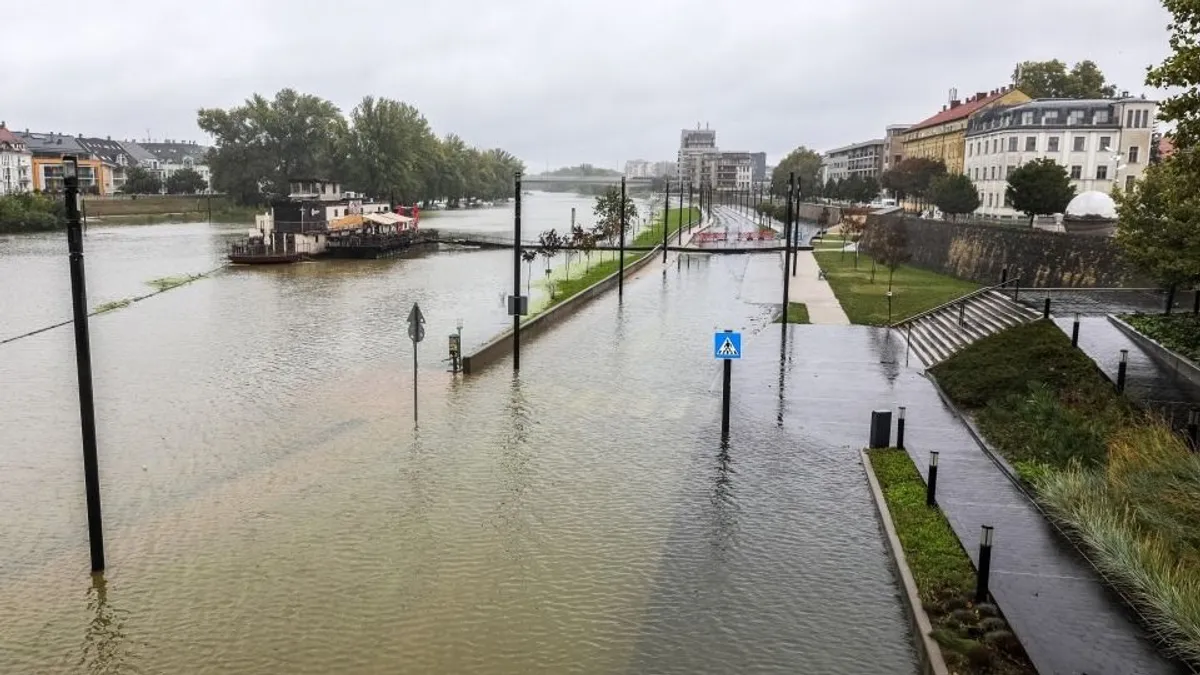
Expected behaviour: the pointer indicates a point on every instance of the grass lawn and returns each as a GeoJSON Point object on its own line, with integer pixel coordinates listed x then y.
{"type": "Point", "coordinates": [1120, 480]}
{"type": "Point", "coordinates": [797, 313]}
{"type": "Point", "coordinates": [913, 290]}
{"type": "Point", "coordinates": [607, 262]}
{"type": "Point", "coordinates": [974, 638]}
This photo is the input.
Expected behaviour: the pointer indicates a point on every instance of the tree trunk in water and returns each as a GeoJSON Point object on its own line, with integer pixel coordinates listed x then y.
{"type": "Point", "coordinates": [1031, 221]}
{"type": "Point", "coordinates": [1170, 298]}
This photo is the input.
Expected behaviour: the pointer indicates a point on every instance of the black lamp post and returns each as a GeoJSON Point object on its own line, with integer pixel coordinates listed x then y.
{"type": "Point", "coordinates": [83, 362]}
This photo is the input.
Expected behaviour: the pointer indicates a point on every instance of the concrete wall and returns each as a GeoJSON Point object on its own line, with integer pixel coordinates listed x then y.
{"type": "Point", "coordinates": [811, 212]}
{"type": "Point", "coordinates": [501, 345]}
{"type": "Point", "coordinates": [1042, 259]}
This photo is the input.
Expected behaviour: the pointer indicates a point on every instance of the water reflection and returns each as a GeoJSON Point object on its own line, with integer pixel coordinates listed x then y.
{"type": "Point", "coordinates": [106, 647]}
{"type": "Point", "coordinates": [724, 507]}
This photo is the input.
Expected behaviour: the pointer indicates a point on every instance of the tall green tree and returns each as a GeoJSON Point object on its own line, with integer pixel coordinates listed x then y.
{"type": "Point", "coordinates": [913, 177]}
{"type": "Point", "coordinates": [806, 164]}
{"type": "Point", "coordinates": [1040, 188]}
{"type": "Point", "coordinates": [1052, 79]}
{"type": "Point", "coordinates": [139, 181]}
{"type": "Point", "coordinates": [185, 182]}
{"type": "Point", "coordinates": [262, 144]}
{"type": "Point", "coordinates": [955, 194]}
{"type": "Point", "coordinates": [391, 150]}
{"type": "Point", "coordinates": [1157, 225]}
{"type": "Point", "coordinates": [608, 211]}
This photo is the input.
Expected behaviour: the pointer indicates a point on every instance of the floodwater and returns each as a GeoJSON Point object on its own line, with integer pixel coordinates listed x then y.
{"type": "Point", "coordinates": [270, 507]}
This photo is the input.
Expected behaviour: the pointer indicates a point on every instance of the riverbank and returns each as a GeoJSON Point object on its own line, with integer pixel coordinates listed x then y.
{"type": "Point", "coordinates": [1122, 484]}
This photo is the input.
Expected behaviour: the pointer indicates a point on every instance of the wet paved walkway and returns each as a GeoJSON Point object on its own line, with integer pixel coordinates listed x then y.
{"type": "Point", "coordinates": [1069, 623]}
{"type": "Point", "coordinates": [1147, 380]}
{"type": "Point", "coordinates": [808, 287]}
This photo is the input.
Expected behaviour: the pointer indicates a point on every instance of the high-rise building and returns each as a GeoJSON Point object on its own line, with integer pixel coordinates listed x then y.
{"type": "Point", "coordinates": [692, 144]}
{"type": "Point", "coordinates": [864, 160]}
{"type": "Point", "coordinates": [638, 168]}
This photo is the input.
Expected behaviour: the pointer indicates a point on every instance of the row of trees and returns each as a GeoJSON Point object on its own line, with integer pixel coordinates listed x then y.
{"type": "Point", "coordinates": [138, 181]}
{"type": "Point", "coordinates": [384, 149]}
{"type": "Point", "coordinates": [607, 228]}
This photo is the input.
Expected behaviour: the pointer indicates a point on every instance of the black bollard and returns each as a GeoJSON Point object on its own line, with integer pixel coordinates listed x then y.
{"type": "Point", "coordinates": [1046, 309]}
{"type": "Point", "coordinates": [1004, 276]}
{"type": "Point", "coordinates": [1121, 368]}
{"type": "Point", "coordinates": [881, 429]}
{"type": "Point", "coordinates": [931, 484]}
{"type": "Point", "coordinates": [985, 564]}
{"type": "Point", "coordinates": [900, 429]}
{"type": "Point", "coordinates": [83, 362]}
{"type": "Point", "coordinates": [1193, 429]}
{"type": "Point", "coordinates": [1075, 331]}
{"type": "Point", "coordinates": [666, 212]}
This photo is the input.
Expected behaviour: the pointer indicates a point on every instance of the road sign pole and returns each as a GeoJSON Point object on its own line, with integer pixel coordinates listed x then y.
{"type": "Point", "coordinates": [679, 221]}
{"type": "Point", "coordinates": [725, 386]}
{"type": "Point", "coordinates": [787, 248]}
{"type": "Point", "coordinates": [666, 220]}
{"type": "Point", "coordinates": [414, 383]}
{"type": "Point", "coordinates": [416, 333]}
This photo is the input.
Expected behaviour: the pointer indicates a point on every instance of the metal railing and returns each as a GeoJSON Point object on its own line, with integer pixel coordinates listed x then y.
{"type": "Point", "coordinates": [962, 311]}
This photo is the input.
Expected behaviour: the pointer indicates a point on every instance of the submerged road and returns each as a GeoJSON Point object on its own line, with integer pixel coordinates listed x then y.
{"type": "Point", "coordinates": [270, 507]}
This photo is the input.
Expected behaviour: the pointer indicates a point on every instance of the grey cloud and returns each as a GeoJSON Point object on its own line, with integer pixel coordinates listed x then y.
{"type": "Point", "coordinates": [554, 81]}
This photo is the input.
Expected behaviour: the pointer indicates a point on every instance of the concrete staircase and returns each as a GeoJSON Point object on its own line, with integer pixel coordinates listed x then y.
{"type": "Point", "coordinates": [936, 335]}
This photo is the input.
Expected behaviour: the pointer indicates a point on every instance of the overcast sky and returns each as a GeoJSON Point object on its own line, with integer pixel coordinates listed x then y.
{"type": "Point", "coordinates": [556, 82]}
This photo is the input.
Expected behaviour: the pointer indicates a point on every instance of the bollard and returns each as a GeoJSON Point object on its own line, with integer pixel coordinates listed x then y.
{"type": "Point", "coordinates": [1016, 290]}
{"type": "Point", "coordinates": [1075, 331]}
{"type": "Point", "coordinates": [1004, 275]}
{"type": "Point", "coordinates": [931, 484]}
{"type": "Point", "coordinates": [881, 428]}
{"type": "Point", "coordinates": [900, 429]}
{"type": "Point", "coordinates": [985, 564]}
{"type": "Point", "coordinates": [1121, 368]}
{"type": "Point", "coordinates": [1193, 429]}
{"type": "Point", "coordinates": [1046, 309]}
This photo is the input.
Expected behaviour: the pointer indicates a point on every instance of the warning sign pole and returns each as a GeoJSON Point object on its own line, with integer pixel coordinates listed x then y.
{"type": "Point", "coordinates": [725, 399]}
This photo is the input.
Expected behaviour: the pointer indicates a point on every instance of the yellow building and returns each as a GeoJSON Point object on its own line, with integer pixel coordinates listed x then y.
{"type": "Point", "coordinates": [944, 135]}
{"type": "Point", "coordinates": [47, 174]}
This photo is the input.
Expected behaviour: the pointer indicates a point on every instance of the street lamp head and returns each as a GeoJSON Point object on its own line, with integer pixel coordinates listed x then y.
{"type": "Point", "coordinates": [985, 537]}
{"type": "Point", "coordinates": [459, 324]}
{"type": "Point", "coordinates": [70, 167]}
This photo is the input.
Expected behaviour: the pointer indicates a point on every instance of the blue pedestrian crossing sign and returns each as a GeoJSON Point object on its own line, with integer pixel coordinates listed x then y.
{"type": "Point", "coordinates": [727, 345]}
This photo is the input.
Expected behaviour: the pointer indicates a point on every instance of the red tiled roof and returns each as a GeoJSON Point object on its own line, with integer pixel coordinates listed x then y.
{"type": "Point", "coordinates": [960, 111]}
{"type": "Point", "coordinates": [1166, 146]}
{"type": "Point", "coordinates": [9, 137]}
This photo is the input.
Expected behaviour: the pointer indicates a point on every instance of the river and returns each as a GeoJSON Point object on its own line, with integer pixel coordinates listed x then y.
{"type": "Point", "coordinates": [269, 506]}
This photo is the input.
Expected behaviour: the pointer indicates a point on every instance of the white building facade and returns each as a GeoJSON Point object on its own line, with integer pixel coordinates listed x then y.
{"type": "Point", "coordinates": [864, 160]}
{"type": "Point", "coordinates": [1102, 143]}
{"type": "Point", "coordinates": [16, 163]}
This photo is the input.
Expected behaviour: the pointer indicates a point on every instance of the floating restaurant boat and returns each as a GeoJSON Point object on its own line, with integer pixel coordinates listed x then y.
{"type": "Point", "coordinates": [319, 220]}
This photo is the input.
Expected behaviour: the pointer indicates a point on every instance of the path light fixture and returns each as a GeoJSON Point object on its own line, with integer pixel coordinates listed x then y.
{"type": "Point", "coordinates": [1122, 368]}
{"type": "Point", "coordinates": [931, 483]}
{"type": "Point", "coordinates": [985, 564]}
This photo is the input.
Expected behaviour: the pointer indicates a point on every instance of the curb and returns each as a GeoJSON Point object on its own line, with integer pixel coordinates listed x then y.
{"type": "Point", "coordinates": [1179, 364]}
{"type": "Point", "coordinates": [929, 654]}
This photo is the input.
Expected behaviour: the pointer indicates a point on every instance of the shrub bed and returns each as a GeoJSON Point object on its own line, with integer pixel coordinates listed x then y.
{"type": "Point", "coordinates": [1119, 480]}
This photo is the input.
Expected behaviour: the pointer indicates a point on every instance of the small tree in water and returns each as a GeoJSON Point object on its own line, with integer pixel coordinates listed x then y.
{"type": "Point", "coordinates": [529, 255]}
{"type": "Point", "coordinates": [550, 243]}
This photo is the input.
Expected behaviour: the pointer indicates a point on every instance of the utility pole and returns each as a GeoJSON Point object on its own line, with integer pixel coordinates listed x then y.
{"type": "Point", "coordinates": [83, 362]}
{"type": "Point", "coordinates": [679, 225]}
{"type": "Point", "coordinates": [666, 218]}
{"type": "Point", "coordinates": [621, 264]}
{"type": "Point", "coordinates": [514, 302]}
{"type": "Point", "coordinates": [796, 232]}
{"type": "Point", "coordinates": [786, 252]}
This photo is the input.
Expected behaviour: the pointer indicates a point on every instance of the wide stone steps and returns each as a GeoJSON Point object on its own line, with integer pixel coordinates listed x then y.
{"type": "Point", "coordinates": [938, 335]}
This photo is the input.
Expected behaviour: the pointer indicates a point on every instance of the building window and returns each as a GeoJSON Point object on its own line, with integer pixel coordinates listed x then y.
{"type": "Point", "coordinates": [1008, 170]}
{"type": "Point", "coordinates": [1133, 154]}
{"type": "Point", "coordinates": [1050, 117]}
{"type": "Point", "coordinates": [1076, 172]}
{"type": "Point", "coordinates": [1100, 117]}
{"type": "Point", "coordinates": [1129, 118]}
{"type": "Point", "coordinates": [1080, 143]}
{"type": "Point", "coordinates": [995, 145]}
{"type": "Point", "coordinates": [1102, 172]}
{"type": "Point", "coordinates": [1012, 144]}
{"type": "Point", "coordinates": [1075, 117]}
{"type": "Point", "coordinates": [1129, 183]}
{"type": "Point", "coordinates": [1007, 201]}
{"type": "Point", "coordinates": [989, 200]}
{"type": "Point", "coordinates": [1053, 147]}
{"type": "Point", "coordinates": [993, 173]}
{"type": "Point", "coordinates": [1105, 143]}
{"type": "Point", "coordinates": [1031, 144]}
{"type": "Point", "coordinates": [1027, 117]}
